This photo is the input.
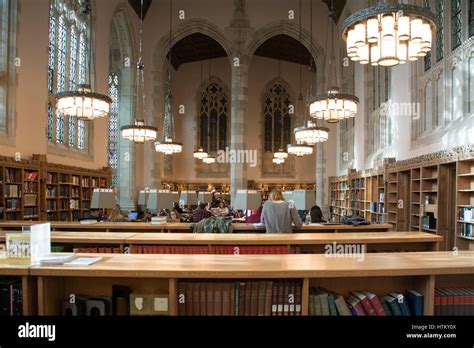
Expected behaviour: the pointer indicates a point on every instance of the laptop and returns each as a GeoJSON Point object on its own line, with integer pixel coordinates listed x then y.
{"type": "Point", "coordinates": [133, 216]}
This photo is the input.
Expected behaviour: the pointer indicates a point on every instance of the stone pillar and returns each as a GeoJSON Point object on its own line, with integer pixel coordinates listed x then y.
{"type": "Point", "coordinates": [321, 182]}
{"type": "Point", "coordinates": [238, 171]}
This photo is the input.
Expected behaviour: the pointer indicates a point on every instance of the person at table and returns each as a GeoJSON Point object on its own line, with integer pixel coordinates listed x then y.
{"type": "Point", "coordinates": [96, 215]}
{"type": "Point", "coordinates": [278, 215]}
{"type": "Point", "coordinates": [174, 216]}
{"type": "Point", "coordinates": [316, 215]}
{"type": "Point", "coordinates": [200, 213]}
{"type": "Point", "coordinates": [222, 209]}
{"type": "Point", "coordinates": [256, 216]}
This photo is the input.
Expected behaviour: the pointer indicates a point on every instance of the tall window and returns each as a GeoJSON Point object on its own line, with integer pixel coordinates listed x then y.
{"type": "Point", "coordinates": [7, 63]}
{"type": "Point", "coordinates": [471, 17]}
{"type": "Point", "coordinates": [427, 58]}
{"type": "Point", "coordinates": [456, 24]}
{"type": "Point", "coordinates": [277, 118]}
{"type": "Point", "coordinates": [113, 125]}
{"type": "Point", "coordinates": [440, 31]}
{"type": "Point", "coordinates": [67, 68]}
{"type": "Point", "coordinates": [213, 118]}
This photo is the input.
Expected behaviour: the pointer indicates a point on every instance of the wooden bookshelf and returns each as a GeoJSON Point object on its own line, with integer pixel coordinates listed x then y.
{"type": "Point", "coordinates": [340, 198]}
{"type": "Point", "coordinates": [392, 199]}
{"type": "Point", "coordinates": [465, 204]}
{"type": "Point", "coordinates": [37, 190]}
{"type": "Point", "coordinates": [380, 273]}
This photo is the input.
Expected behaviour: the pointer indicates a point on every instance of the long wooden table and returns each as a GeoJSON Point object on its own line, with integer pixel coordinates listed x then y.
{"type": "Point", "coordinates": [308, 242]}
{"type": "Point", "coordinates": [181, 227]}
{"type": "Point", "coordinates": [379, 272]}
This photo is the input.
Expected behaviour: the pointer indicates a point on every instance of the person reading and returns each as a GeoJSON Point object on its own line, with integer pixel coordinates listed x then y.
{"type": "Point", "coordinates": [278, 215]}
{"type": "Point", "coordinates": [200, 213]}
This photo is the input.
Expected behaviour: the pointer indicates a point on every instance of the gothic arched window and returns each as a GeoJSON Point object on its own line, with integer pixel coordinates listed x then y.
{"type": "Point", "coordinates": [67, 60]}
{"type": "Point", "coordinates": [113, 125]}
{"type": "Point", "coordinates": [277, 118]}
{"type": "Point", "coordinates": [213, 117]}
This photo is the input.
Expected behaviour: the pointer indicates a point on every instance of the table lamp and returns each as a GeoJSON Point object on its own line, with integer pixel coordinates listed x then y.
{"type": "Point", "coordinates": [103, 199]}
{"type": "Point", "coordinates": [304, 199]}
{"type": "Point", "coordinates": [247, 199]}
{"type": "Point", "coordinates": [160, 199]}
{"type": "Point", "coordinates": [288, 195]}
{"type": "Point", "coordinates": [204, 197]}
{"type": "Point", "coordinates": [143, 198]}
{"type": "Point", "coordinates": [188, 198]}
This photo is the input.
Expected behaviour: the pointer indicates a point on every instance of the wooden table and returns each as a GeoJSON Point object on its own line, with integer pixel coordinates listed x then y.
{"type": "Point", "coordinates": [379, 272]}
{"type": "Point", "coordinates": [181, 227]}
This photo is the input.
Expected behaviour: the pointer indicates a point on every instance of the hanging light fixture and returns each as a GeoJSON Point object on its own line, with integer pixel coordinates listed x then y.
{"type": "Point", "coordinates": [300, 150]}
{"type": "Point", "coordinates": [200, 153]}
{"type": "Point", "coordinates": [332, 106]}
{"type": "Point", "coordinates": [389, 34]}
{"type": "Point", "coordinates": [278, 160]}
{"type": "Point", "coordinates": [281, 154]}
{"type": "Point", "coordinates": [168, 146]}
{"type": "Point", "coordinates": [139, 132]}
{"type": "Point", "coordinates": [310, 133]}
{"type": "Point", "coordinates": [209, 159]}
{"type": "Point", "coordinates": [83, 102]}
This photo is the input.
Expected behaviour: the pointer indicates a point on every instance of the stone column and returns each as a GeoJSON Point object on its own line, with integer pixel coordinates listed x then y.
{"type": "Point", "coordinates": [238, 171]}
{"type": "Point", "coordinates": [321, 184]}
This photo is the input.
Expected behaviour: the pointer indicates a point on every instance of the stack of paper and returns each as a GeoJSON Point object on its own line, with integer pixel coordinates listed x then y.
{"type": "Point", "coordinates": [56, 259]}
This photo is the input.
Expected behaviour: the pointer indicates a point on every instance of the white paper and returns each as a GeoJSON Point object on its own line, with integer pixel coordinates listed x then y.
{"type": "Point", "coordinates": [40, 241]}
{"type": "Point", "coordinates": [83, 261]}
{"type": "Point", "coordinates": [161, 304]}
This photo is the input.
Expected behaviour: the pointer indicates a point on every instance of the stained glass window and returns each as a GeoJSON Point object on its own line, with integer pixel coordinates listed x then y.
{"type": "Point", "coordinates": [67, 66]}
{"type": "Point", "coordinates": [213, 118]}
{"type": "Point", "coordinates": [456, 23]}
{"type": "Point", "coordinates": [471, 17]}
{"type": "Point", "coordinates": [427, 58]}
{"type": "Point", "coordinates": [277, 118]}
{"type": "Point", "coordinates": [440, 31]}
{"type": "Point", "coordinates": [113, 125]}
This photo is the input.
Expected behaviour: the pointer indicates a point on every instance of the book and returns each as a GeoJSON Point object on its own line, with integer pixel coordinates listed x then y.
{"type": "Point", "coordinates": [56, 259]}
{"type": "Point", "coordinates": [393, 304]}
{"type": "Point", "coordinates": [356, 306]}
{"type": "Point", "coordinates": [332, 305]}
{"type": "Point", "coordinates": [341, 305]}
{"type": "Point", "coordinates": [401, 302]}
{"type": "Point", "coordinates": [375, 302]}
{"type": "Point", "coordinates": [83, 261]}
{"type": "Point", "coordinates": [415, 302]}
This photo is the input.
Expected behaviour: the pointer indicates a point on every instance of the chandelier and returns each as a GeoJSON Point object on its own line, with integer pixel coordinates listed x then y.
{"type": "Point", "coordinates": [311, 134]}
{"type": "Point", "coordinates": [332, 106]}
{"type": "Point", "coordinates": [281, 154]}
{"type": "Point", "coordinates": [139, 132]}
{"type": "Point", "coordinates": [83, 103]}
{"type": "Point", "coordinates": [278, 160]}
{"type": "Point", "coordinates": [209, 160]}
{"type": "Point", "coordinates": [300, 150]}
{"type": "Point", "coordinates": [389, 34]}
{"type": "Point", "coordinates": [200, 153]}
{"type": "Point", "coordinates": [169, 146]}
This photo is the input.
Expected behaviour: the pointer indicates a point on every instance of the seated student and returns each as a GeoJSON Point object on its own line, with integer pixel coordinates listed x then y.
{"type": "Point", "coordinates": [200, 213]}
{"type": "Point", "coordinates": [96, 215]}
{"type": "Point", "coordinates": [256, 216]}
{"type": "Point", "coordinates": [177, 207]}
{"type": "Point", "coordinates": [174, 216]}
{"type": "Point", "coordinates": [221, 209]}
{"type": "Point", "coordinates": [277, 215]}
{"type": "Point", "coordinates": [316, 215]}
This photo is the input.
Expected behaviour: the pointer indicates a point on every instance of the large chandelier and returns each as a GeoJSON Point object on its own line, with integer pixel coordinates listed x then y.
{"type": "Point", "coordinates": [333, 106]}
{"type": "Point", "coordinates": [311, 134]}
{"type": "Point", "coordinates": [299, 150]}
{"type": "Point", "coordinates": [168, 146]}
{"type": "Point", "coordinates": [200, 154]}
{"type": "Point", "coordinates": [83, 102]}
{"type": "Point", "coordinates": [139, 132]}
{"type": "Point", "coordinates": [281, 154]}
{"type": "Point", "coordinates": [278, 160]}
{"type": "Point", "coordinates": [389, 34]}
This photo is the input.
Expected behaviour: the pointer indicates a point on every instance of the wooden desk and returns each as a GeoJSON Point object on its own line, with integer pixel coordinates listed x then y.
{"type": "Point", "coordinates": [181, 227]}
{"type": "Point", "coordinates": [379, 272]}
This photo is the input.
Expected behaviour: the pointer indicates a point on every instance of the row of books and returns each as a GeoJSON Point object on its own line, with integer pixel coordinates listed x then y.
{"type": "Point", "coordinates": [64, 191]}
{"type": "Point", "coordinates": [465, 214]}
{"type": "Point", "coordinates": [12, 175]}
{"type": "Point", "coordinates": [377, 207]}
{"type": "Point", "coordinates": [30, 212]}
{"type": "Point", "coordinates": [75, 180]}
{"type": "Point", "coordinates": [30, 187]}
{"type": "Point", "coordinates": [30, 176]}
{"type": "Point", "coordinates": [220, 249]}
{"type": "Point", "coordinates": [13, 191]}
{"type": "Point", "coordinates": [454, 301]}
{"type": "Point", "coordinates": [357, 184]}
{"type": "Point", "coordinates": [103, 250]}
{"type": "Point", "coordinates": [11, 297]}
{"type": "Point", "coordinates": [75, 192]}
{"type": "Point", "coordinates": [85, 182]}
{"type": "Point", "coordinates": [51, 205]}
{"type": "Point", "coordinates": [51, 191]}
{"type": "Point", "coordinates": [429, 221]}
{"type": "Point", "coordinates": [12, 204]}
{"type": "Point", "coordinates": [362, 303]}
{"type": "Point", "coordinates": [86, 194]}
{"type": "Point", "coordinates": [466, 230]}
{"type": "Point", "coordinates": [239, 298]}
{"type": "Point", "coordinates": [381, 197]}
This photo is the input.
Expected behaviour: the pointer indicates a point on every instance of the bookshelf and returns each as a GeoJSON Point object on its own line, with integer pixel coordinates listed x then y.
{"type": "Point", "coordinates": [429, 198]}
{"type": "Point", "coordinates": [465, 203]}
{"type": "Point", "coordinates": [415, 204]}
{"type": "Point", "coordinates": [392, 199]}
{"type": "Point", "coordinates": [33, 190]}
{"type": "Point", "coordinates": [340, 199]}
